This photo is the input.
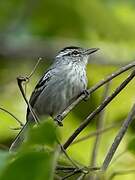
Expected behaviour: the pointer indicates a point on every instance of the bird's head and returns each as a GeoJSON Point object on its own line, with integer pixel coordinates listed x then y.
{"type": "Point", "coordinates": [75, 54]}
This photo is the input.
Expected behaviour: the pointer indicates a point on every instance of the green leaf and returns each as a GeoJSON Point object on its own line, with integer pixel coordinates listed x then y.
{"type": "Point", "coordinates": [31, 165]}
{"type": "Point", "coordinates": [45, 134]}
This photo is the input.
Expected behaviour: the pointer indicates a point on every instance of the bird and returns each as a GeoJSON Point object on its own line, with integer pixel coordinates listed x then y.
{"type": "Point", "coordinates": [58, 88]}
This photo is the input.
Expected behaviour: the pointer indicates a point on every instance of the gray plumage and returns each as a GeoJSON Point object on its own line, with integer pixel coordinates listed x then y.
{"type": "Point", "coordinates": [61, 84]}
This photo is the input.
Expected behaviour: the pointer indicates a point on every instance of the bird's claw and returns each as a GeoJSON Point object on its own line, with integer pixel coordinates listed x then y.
{"type": "Point", "coordinates": [87, 95]}
{"type": "Point", "coordinates": [58, 119]}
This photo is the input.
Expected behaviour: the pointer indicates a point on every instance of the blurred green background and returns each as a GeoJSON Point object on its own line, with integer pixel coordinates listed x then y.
{"type": "Point", "coordinates": [38, 28]}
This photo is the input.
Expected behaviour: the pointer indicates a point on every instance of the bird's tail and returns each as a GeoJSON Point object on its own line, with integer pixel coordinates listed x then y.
{"type": "Point", "coordinates": [20, 137]}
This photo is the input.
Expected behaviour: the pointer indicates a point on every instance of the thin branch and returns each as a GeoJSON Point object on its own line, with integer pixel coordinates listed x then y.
{"type": "Point", "coordinates": [118, 139]}
{"type": "Point", "coordinates": [27, 78]}
{"type": "Point", "coordinates": [94, 88]}
{"type": "Point", "coordinates": [71, 174]}
{"type": "Point", "coordinates": [73, 170]}
{"type": "Point", "coordinates": [93, 169]}
{"type": "Point", "coordinates": [81, 170]}
{"type": "Point", "coordinates": [67, 168]}
{"type": "Point", "coordinates": [98, 109]}
{"type": "Point", "coordinates": [20, 80]}
{"type": "Point", "coordinates": [67, 156]}
{"type": "Point", "coordinates": [21, 124]}
{"type": "Point", "coordinates": [93, 134]}
{"type": "Point", "coordinates": [16, 129]}
{"type": "Point", "coordinates": [81, 177]}
{"type": "Point", "coordinates": [100, 123]}
{"type": "Point", "coordinates": [84, 169]}
{"type": "Point", "coordinates": [34, 69]}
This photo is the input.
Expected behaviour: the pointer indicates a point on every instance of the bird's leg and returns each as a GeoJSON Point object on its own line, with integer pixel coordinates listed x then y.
{"type": "Point", "coordinates": [58, 119]}
{"type": "Point", "coordinates": [87, 94]}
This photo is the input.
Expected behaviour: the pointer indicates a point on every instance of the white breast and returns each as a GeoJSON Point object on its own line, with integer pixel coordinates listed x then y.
{"type": "Point", "coordinates": [62, 89]}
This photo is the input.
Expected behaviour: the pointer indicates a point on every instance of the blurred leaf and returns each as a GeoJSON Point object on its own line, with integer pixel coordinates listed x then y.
{"type": "Point", "coordinates": [45, 133]}
{"type": "Point", "coordinates": [3, 158]}
{"type": "Point", "coordinates": [131, 146]}
{"type": "Point", "coordinates": [34, 164]}
{"type": "Point", "coordinates": [31, 165]}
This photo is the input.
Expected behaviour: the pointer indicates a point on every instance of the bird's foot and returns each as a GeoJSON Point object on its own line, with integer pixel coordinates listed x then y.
{"type": "Point", "coordinates": [87, 94]}
{"type": "Point", "coordinates": [58, 119]}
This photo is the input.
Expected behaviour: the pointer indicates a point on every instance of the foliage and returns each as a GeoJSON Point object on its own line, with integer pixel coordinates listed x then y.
{"type": "Point", "coordinates": [33, 164]}
{"type": "Point", "coordinates": [32, 28]}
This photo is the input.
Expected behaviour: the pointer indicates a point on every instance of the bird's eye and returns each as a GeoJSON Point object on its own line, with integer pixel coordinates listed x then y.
{"type": "Point", "coordinates": [75, 53]}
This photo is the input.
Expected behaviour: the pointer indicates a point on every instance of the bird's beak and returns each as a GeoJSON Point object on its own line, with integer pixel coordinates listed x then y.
{"type": "Point", "coordinates": [90, 51]}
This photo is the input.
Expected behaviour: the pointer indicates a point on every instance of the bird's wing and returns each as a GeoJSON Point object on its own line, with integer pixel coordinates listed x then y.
{"type": "Point", "coordinates": [38, 89]}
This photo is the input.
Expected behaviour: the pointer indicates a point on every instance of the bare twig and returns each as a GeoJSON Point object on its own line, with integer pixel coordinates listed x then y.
{"type": "Point", "coordinates": [20, 80]}
{"type": "Point", "coordinates": [99, 127]}
{"type": "Point", "coordinates": [118, 139]}
{"type": "Point", "coordinates": [67, 168]}
{"type": "Point", "coordinates": [98, 109]}
{"type": "Point", "coordinates": [73, 170]}
{"type": "Point", "coordinates": [93, 134]}
{"type": "Point", "coordinates": [16, 129]}
{"type": "Point", "coordinates": [95, 87]}
{"type": "Point", "coordinates": [93, 169]}
{"type": "Point", "coordinates": [67, 156]}
{"type": "Point", "coordinates": [100, 122]}
{"type": "Point", "coordinates": [81, 177]}
{"type": "Point", "coordinates": [3, 109]}
{"type": "Point", "coordinates": [34, 69]}
{"type": "Point", "coordinates": [88, 169]}
{"type": "Point", "coordinates": [81, 170]}
{"type": "Point", "coordinates": [71, 174]}
{"type": "Point", "coordinates": [31, 74]}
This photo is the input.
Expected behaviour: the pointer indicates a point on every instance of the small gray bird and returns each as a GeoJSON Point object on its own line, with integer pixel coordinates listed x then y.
{"type": "Point", "coordinates": [60, 85]}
